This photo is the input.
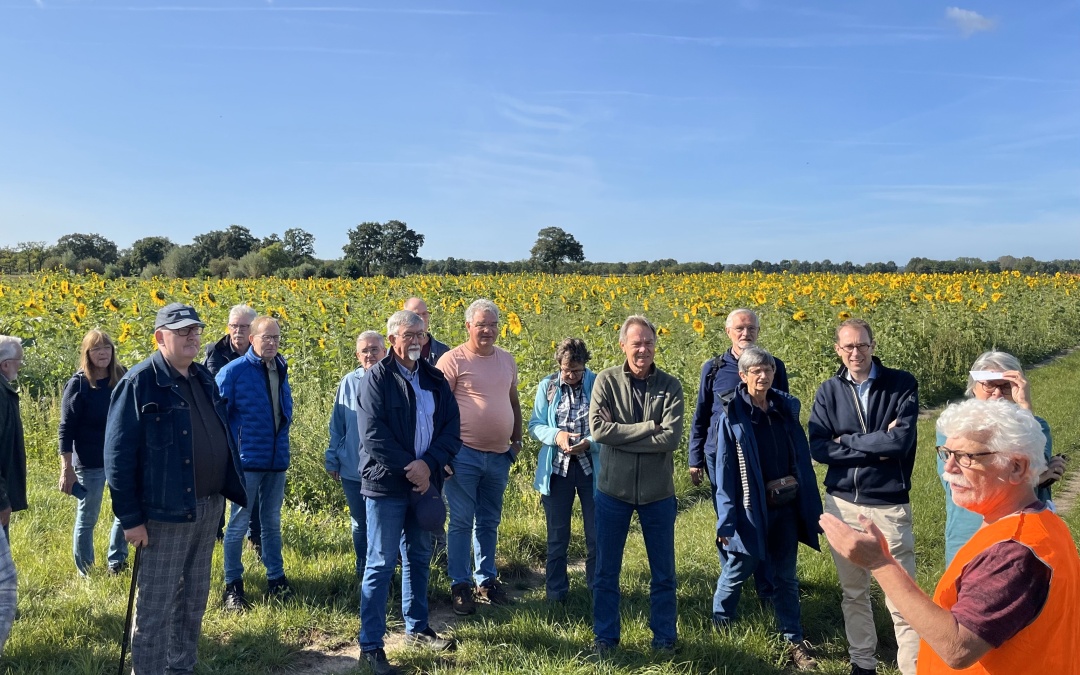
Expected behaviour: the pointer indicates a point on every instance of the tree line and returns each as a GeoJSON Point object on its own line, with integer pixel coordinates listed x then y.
{"type": "Point", "coordinates": [392, 249]}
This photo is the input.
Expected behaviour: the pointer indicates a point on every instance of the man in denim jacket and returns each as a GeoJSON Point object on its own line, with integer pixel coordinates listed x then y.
{"type": "Point", "coordinates": [170, 464]}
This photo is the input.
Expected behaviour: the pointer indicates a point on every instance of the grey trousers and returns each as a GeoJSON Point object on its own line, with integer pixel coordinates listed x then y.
{"type": "Point", "coordinates": [173, 584]}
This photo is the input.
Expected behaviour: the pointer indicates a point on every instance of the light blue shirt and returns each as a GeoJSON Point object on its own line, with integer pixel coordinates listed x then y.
{"type": "Point", "coordinates": [863, 389]}
{"type": "Point", "coordinates": [343, 453]}
{"type": "Point", "coordinates": [425, 409]}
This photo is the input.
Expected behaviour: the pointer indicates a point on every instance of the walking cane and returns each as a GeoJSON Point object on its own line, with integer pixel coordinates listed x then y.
{"type": "Point", "coordinates": [131, 605]}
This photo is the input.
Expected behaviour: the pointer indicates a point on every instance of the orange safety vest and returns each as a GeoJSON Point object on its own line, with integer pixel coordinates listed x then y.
{"type": "Point", "coordinates": [1049, 644]}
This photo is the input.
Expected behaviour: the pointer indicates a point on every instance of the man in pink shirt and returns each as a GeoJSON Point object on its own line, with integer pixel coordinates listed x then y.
{"type": "Point", "coordinates": [483, 378]}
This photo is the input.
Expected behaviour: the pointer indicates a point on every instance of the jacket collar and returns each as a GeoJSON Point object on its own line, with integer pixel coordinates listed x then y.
{"type": "Point", "coordinates": [626, 370]}
{"type": "Point", "coordinates": [842, 371]}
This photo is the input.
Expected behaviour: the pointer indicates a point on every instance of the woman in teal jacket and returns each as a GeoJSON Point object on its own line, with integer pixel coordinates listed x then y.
{"type": "Point", "coordinates": [569, 460]}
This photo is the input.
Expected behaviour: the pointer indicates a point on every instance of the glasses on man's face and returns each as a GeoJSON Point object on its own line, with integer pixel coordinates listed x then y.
{"type": "Point", "coordinates": [571, 372]}
{"type": "Point", "coordinates": [239, 326]}
{"type": "Point", "coordinates": [759, 371]}
{"type": "Point", "coordinates": [860, 347]}
{"type": "Point", "coordinates": [371, 351]}
{"type": "Point", "coordinates": [411, 337]}
{"type": "Point", "coordinates": [269, 339]}
{"type": "Point", "coordinates": [494, 325]}
{"type": "Point", "coordinates": [990, 387]}
{"type": "Point", "coordinates": [188, 330]}
{"type": "Point", "coordinates": [964, 459]}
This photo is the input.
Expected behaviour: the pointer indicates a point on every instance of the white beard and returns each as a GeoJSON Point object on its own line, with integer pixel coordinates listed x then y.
{"type": "Point", "coordinates": [415, 352]}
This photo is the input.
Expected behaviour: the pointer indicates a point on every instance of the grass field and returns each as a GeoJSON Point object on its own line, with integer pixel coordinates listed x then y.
{"type": "Point", "coordinates": [71, 625]}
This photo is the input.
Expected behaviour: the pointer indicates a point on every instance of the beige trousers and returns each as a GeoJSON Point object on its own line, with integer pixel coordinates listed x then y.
{"type": "Point", "coordinates": [895, 524]}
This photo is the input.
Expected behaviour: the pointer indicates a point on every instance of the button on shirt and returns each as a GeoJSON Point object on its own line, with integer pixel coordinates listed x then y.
{"type": "Point", "coordinates": [425, 409]}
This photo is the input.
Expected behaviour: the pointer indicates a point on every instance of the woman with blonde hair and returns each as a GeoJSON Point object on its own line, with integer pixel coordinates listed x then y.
{"type": "Point", "coordinates": [83, 411]}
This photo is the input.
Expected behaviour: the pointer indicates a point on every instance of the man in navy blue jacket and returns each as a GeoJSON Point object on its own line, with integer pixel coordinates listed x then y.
{"type": "Point", "coordinates": [169, 462]}
{"type": "Point", "coordinates": [259, 401]}
{"type": "Point", "coordinates": [409, 428]}
{"type": "Point", "coordinates": [863, 427]}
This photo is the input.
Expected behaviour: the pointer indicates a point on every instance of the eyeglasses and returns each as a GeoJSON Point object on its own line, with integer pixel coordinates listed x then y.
{"type": "Point", "coordinates": [860, 347]}
{"type": "Point", "coordinates": [371, 351]}
{"type": "Point", "coordinates": [757, 371]}
{"type": "Point", "coordinates": [239, 326]}
{"type": "Point", "coordinates": [188, 330]}
{"type": "Point", "coordinates": [571, 372]}
{"type": "Point", "coordinates": [964, 459]}
{"type": "Point", "coordinates": [269, 339]}
{"type": "Point", "coordinates": [411, 337]}
{"type": "Point", "coordinates": [990, 387]}
{"type": "Point", "coordinates": [482, 326]}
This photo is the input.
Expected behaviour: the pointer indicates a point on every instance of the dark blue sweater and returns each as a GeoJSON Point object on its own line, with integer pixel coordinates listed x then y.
{"type": "Point", "coordinates": [83, 411]}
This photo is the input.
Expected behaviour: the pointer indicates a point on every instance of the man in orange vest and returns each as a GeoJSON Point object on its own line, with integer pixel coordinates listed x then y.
{"type": "Point", "coordinates": [1010, 600]}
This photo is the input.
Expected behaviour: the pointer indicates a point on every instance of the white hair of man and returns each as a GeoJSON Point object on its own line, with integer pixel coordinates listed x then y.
{"type": "Point", "coordinates": [730, 320]}
{"type": "Point", "coordinates": [242, 312]}
{"type": "Point", "coordinates": [402, 317]}
{"type": "Point", "coordinates": [481, 305]}
{"type": "Point", "coordinates": [1014, 433]}
{"type": "Point", "coordinates": [996, 361]}
{"type": "Point", "coordinates": [635, 320]}
{"type": "Point", "coordinates": [372, 335]}
{"type": "Point", "coordinates": [753, 357]}
{"type": "Point", "coordinates": [9, 347]}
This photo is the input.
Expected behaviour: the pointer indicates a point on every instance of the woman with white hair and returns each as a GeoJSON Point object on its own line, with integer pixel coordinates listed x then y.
{"type": "Point", "coordinates": [995, 376]}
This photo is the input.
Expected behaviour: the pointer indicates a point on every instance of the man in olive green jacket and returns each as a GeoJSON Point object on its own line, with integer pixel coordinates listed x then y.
{"type": "Point", "coordinates": [636, 412]}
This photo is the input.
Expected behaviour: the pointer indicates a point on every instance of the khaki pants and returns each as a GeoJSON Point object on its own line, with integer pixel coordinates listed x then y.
{"type": "Point", "coordinates": [895, 524]}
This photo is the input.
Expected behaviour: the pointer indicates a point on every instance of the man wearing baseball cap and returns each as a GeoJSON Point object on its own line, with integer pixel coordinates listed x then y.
{"type": "Point", "coordinates": [170, 463]}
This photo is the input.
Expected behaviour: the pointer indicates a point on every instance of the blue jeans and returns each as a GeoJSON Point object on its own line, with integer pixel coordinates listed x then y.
{"type": "Point", "coordinates": [87, 511]}
{"type": "Point", "coordinates": [658, 530]}
{"type": "Point", "coordinates": [559, 507]}
{"type": "Point", "coordinates": [782, 553]}
{"type": "Point", "coordinates": [267, 489]}
{"type": "Point", "coordinates": [358, 521]}
{"type": "Point", "coordinates": [475, 494]}
{"type": "Point", "coordinates": [389, 524]}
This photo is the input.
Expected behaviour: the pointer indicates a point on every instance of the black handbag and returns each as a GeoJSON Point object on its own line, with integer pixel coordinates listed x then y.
{"type": "Point", "coordinates": [781, 491]}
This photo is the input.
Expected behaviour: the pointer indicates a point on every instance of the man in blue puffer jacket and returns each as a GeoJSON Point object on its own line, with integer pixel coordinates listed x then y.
{"type": "Point", "coordinates": [259, 402]}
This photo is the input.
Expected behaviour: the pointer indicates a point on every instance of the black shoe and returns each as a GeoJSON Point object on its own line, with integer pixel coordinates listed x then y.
{"type": "Point", "coordinates": [430, 639]}
{"type": "Point", "coordinates": [256, 543]}
{"type": "Point", "coordinates": [856, 670]}
{"type": "Point", "coordinates": [279, 588]}
{"type": "Point", "coordinates": [492, 593]}
{"type": "Point", "coordinates": [462, 599]}
{"type": "Point", "coordinates": [233, 600]}
{"type": "Point", "coordinates": [376, 660]}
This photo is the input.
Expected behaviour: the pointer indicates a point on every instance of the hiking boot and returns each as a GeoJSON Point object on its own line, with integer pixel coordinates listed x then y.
{"type": "Point", "coordinates": [279, 588]}
{"type": "Point", "coordinates": [430, 639]}
{"type": "Point", "coordinates": [492, 593]}
{"type": "Point", "coordinates": [376, 661]}
{"type": "Point", "coordinates": [802, 655]}
{"type": "Point", "coordinates": [234, 600]}
{"type": "Point", "coordinates": [856, 670]}
{"type": "Point", "coordinates": [462, 599]}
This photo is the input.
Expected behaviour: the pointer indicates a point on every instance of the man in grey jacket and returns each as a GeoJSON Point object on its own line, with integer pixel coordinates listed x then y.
{"type": "Point", "coordinates": [636, 412]}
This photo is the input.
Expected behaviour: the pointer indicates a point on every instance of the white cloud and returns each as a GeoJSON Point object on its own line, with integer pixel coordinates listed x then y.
{"type": "Point", "coordinates": [969, 21]}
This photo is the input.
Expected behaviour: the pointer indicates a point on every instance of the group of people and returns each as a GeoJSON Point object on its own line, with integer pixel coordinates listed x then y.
{"type": "Point", "coordinates": [422, 438]}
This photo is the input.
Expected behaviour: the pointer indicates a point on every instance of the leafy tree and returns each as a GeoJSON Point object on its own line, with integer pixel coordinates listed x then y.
{"type": "Point", "coordinates": [276, 258]}
{"type": "Point", "coordinates": [235, 242]}
{"type": "Point", "coordinates": [180, 262]}
{"type": "Point", "coordinates": [84, 246]}
{"type": "Point", "coordinates": [554, 246]}
{"type": "Point", "coordinates": [251, 266]}
{"type": "Point", "coordinates": [269, 241]}
{"type": "Point", "coordinates": [365, 242]}
{"type": "Point", "coordinates": [300, 245]}
{"type": "Point", "coordinates": [400, 246]}
{"type": "Point", "coordinates": [148, 251]}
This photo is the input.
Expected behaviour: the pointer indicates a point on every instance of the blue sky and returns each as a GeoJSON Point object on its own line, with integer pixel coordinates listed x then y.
{"type": "Point", "coordinates": [715, 130]}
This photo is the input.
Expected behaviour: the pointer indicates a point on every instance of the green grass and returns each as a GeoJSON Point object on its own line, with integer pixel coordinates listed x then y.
{"type": "Point", "coordinates": [72, 626]}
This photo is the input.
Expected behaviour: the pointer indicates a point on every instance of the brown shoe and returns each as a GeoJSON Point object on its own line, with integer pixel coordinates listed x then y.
{"type": "Point", "coordinates": [802, 655]}
{"type": "Point", "coordinates": [462, 599]}
{"type": "Point", "coordinates": [492, 593]}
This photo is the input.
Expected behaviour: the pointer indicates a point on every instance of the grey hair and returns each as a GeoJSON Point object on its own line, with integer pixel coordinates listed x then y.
{"type": "Point", "coordinates": [572, 350]}
{"type": "Point", "coordinates": [730, 320]}
{"type": "Point", "coordinates": [243, 311]}
{"type": "Point", "coordinates": [992, 360]}
{"type": "Point", "coordinates": [402, 317]}
{"type": "Point", "coordinates": [1014, 431]}
{"type": "Point", "coordinates": [371, 335]}
{"type": "Point", "coordinates": [635, 320]}
{"type": "Point", "coordinates": [9, 347]}
{"type": "Point", "coordinates": [481, 305]}
{"type": "Point", "coordinates": [755, 356]}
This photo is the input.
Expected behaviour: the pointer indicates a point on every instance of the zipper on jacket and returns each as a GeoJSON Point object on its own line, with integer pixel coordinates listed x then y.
{"type": "Point", "coordinates": [862, 424]}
